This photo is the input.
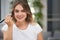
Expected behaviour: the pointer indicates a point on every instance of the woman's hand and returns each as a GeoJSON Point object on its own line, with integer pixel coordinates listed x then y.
{"type": "Point", "coordinates": [8, 20]}
{"type": "Point", "coordinates": [7, 35]}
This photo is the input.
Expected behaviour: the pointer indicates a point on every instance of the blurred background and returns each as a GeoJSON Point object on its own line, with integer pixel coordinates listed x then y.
{"type": "Point", "coordinates": [45, 12]}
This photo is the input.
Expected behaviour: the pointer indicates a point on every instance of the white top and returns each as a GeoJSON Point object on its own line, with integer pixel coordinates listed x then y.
{"type": "Point", "coordinates": [30, 33]}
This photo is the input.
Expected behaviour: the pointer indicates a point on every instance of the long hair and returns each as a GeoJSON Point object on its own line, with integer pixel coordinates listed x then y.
{"type": "Point", "coordinates": [25, 6]}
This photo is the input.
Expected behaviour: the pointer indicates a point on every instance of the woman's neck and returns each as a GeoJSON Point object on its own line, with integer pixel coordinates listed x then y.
{"type": "Point", "coordinates": [21, 24]}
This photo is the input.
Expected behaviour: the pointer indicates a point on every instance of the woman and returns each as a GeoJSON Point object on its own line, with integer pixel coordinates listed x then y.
{"type": "Point", "coordinates": [20, 25]}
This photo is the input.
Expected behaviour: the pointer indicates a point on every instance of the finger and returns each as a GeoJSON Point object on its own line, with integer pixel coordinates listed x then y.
{"type": "Point", "coordinates": [6, 21]}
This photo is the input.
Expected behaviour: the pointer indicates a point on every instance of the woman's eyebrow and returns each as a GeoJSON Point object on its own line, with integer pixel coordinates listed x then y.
{"type": "Point", "coordinates": [16, 9]}
{"type": "Point", "coordinates": [19, 10]}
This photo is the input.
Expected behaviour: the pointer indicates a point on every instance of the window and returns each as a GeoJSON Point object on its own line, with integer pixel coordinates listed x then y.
{"type": "Point", "coordinates": [0, 9]}
{"type": "Point", "coordinates": [49, 15]}
{"type": "Point", "coordinates": [53, 15]}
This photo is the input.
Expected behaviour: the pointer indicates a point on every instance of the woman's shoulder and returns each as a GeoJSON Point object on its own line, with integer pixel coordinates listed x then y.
{"type": "Point", "coordinates": [35, 24]}
{"type": "Point", "coordinates": [5, 27]}
{"type": "Point", "coordinates": [36, 27]}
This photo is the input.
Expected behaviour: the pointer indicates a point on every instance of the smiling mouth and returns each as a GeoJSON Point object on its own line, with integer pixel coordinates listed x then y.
{"type": "Point", "coordinates": [19, 17]}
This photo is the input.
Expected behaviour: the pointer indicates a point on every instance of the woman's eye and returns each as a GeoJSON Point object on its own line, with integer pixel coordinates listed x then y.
{"type": "Point", "coordinates": [22, 10]}
{"type": "Point", "coordinates": [16, 11]}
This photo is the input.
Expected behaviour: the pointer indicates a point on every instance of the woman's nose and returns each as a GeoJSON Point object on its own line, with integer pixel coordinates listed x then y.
{"type": "Point", "coordinates": [20, 13]}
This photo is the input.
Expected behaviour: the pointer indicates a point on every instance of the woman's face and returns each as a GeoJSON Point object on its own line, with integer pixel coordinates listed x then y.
{"type": "Point", "coordinates": [19, 14]}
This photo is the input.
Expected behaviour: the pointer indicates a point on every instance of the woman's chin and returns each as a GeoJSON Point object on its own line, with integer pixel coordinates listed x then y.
{"type": "Point", "coordinates": [21, 20]}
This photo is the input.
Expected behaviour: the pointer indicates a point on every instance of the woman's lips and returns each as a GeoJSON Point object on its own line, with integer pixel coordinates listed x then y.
{"type": "Point", "coordinates": [19, 17]}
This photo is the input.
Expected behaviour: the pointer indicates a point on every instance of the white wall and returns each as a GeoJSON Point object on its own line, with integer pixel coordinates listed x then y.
{"type": "Point", "coordinates": [5, 5]}
{"type": "Point", "coordinates": [44, 11]}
